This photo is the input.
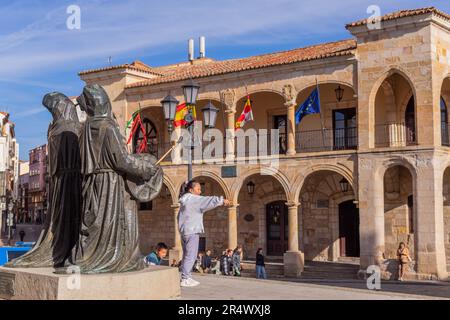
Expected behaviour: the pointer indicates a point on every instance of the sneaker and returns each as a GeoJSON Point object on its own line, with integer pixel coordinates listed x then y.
{"type": "Point", "coordinates": [189, 283]}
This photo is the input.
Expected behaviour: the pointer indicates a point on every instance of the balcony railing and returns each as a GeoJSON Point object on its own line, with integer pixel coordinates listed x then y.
{"type": "Point", "coordinates": [394, 135]}
{"type": "Point", "coordinates": [327, 140]}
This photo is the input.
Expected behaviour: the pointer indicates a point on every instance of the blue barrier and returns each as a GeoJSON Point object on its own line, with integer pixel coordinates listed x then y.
{"type": "Point", "coordinates": [24, 244]}
{"type": "Point", "coordinates": [9, 253]}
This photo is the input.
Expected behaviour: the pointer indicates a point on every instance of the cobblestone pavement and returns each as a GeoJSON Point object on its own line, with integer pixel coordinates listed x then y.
{"type": "Point", "coordinates": [228, 288]}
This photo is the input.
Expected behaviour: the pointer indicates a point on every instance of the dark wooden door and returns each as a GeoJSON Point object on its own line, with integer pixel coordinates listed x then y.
{"type": "Point", "coordinates": [277, 228]}
{"type": "Point", "coordinates": [349, 229]}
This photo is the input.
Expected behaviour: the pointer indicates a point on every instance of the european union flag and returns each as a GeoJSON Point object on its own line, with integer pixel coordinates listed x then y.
{"type": "Point", "coordinates": [310, 106]}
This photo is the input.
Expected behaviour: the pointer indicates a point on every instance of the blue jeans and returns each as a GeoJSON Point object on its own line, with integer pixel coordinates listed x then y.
{"type": "Point", "coordinates": [190, 252]}
{"type": "Point", "coordinates": [261, 272]}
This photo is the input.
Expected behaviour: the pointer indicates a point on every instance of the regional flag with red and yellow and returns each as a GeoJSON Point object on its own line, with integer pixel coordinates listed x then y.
{"type": "Point", "coordinates": [181, 112]}
{"type": "Point", "coordinates": [246, 116]}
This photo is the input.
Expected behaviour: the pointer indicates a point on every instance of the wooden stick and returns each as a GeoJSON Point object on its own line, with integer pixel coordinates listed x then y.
{"type": "Point", "coordinates": [169, 151]}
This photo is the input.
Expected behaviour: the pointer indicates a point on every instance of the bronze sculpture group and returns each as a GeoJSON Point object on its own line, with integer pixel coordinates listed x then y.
{"type": "Point", "coordinates": [92, 219]}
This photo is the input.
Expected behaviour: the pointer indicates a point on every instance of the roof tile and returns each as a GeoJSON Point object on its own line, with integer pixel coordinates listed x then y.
{"type": "Point", "coordinates": [402, 14]}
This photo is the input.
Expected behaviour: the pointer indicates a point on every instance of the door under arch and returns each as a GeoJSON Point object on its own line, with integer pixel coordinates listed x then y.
{"type": "Point", "coordinates": [349, 229]}
{"type": "Point", "coordinates": [277, 228]}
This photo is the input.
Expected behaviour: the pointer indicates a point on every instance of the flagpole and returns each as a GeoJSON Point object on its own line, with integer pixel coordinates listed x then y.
{"type": "Point", "coordinates": [321, 116]}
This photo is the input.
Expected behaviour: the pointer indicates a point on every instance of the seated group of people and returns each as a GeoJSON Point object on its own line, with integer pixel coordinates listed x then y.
{"type": "Point", "coordinates": [229, 264]}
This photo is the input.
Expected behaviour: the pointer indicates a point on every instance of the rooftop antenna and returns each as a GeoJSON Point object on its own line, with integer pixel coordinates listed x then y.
{"type": "Point", "coordinates": [191, 50]}
{"type": "Point", "coordinates": [202, 47]}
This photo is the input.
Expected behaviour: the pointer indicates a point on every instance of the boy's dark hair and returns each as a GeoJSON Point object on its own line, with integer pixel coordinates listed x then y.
{"type": "Point", "coordinates": [161, 246]}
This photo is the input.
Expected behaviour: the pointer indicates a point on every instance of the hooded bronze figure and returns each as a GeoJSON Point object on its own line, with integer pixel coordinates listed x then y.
{"type": "Point", "coordinates": [62, 225]}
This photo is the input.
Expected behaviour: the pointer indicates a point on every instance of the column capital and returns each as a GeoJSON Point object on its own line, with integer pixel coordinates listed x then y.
{"type": "Point", "coordinates": [290, 103]}
{"type": "Point", "coordinates": [291, 204]}
{"type": "Point", "coordinates": [230, 111]}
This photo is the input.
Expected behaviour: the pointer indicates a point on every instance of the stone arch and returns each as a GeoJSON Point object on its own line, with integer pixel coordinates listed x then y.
{"type": "Point", "coordinates": [320, 197]}
{"type": "Point", "coordinates": [385, 131]}
{"type": "Point", "coordinates": [446, 210]}
{"type": "Point", "coordinates": [400, 200]}
{"type": "Point", "coordinates": [377, 84]}
{"type": "Point", "coordinates": [276, 174]}
{"type": "Point", "coordinates": [404, 102]}
{"type": "Point", "coordinates": [255, 91]}
{"type": "Point", "coordinates": [328, 81]}
{"type": "Point", "coordinates": [301, 178]}
{"type": "Point", "coordinates": [171, 187]}
{"type": "Point", "coordinates": [214, 176]}
{"type": "Point", "coordinates": [393, 162]}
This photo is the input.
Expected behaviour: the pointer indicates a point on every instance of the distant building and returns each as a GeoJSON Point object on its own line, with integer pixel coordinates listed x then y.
{"type": "Point", "coordinates": [23, 211]}
{"type": "Point", "coordinates": [9, 167]}
{"type": "Point", "coordinates": [37, 186]}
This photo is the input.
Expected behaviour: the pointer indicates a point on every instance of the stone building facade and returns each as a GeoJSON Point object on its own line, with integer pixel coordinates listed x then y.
{"type": "Point", "coordinates": [9, 168]}
{"type": "Point", "coordinates": [37, 185]}
{"type": "Point", "coordinates": [370, 171]}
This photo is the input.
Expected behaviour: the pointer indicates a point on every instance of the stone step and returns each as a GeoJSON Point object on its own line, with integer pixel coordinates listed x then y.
{"type": "Point", "coordinates": [330, 270]}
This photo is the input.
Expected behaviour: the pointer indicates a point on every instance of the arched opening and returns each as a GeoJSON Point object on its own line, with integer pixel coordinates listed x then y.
{"type": "Point", "coordinates": [399, 216]}
{"type": "Point", "coordinates": [262, 216]}
{"type": "Point", "coordinates": [150, 136]}
{"type": "Point", "coordinates": [329, 226]}
{"type": "Point", "coordinates": [156, 221]}
{"type": "Point", "coordinates": [446, 196]}
{"type": "Point", "coordinates": [335, 128]}
{"type": "Point", "coordinates": [269, 112]}
{"type": "Point", "coordinates": [395, 118]}
{"type": "Point", "coordinates": [156, 133]}
{"type": "Point", "coordinates": [215, 222]}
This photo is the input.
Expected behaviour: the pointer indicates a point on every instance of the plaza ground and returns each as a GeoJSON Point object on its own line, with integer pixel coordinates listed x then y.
{"type": "Point", "coordinates": [231, 288]}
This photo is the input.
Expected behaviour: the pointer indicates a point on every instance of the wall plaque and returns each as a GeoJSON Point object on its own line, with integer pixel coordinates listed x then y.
{"type": "Point", "coordinates": [229, 172]}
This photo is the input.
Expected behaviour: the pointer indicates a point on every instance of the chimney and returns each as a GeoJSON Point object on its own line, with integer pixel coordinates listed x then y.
{"type": "Point", "coordinates": [202, 47]}
{"type": "Point", "coordinates": [191, 49]}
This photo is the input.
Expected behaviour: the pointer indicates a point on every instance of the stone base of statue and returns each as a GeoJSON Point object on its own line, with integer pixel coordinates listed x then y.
{"type": "Point", "coordinates": [153, 283]}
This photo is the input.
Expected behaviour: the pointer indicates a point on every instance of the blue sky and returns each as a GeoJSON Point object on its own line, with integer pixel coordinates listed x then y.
{"type": "Point", "coordinates": [39, 54]}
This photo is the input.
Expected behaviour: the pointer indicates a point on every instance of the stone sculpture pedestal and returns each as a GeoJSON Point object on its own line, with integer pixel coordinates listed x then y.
{"type": "Point", "coordinates": [153, 283]}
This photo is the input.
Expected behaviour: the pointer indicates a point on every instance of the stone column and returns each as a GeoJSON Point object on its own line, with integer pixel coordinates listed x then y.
{"type": "Point", "coordinates": [371, 213]}
{"type": "Point", "coordinates": [176, 253]}
{"type": "Point", "coordinates": [291, 128]}
{"type": "Point", "coordinates": [429, 222]}
{"type": "Point", "coordinates": [229, 134]}
{"type": "Point", "coordinates": [293, 227]}
{"type": "Point", "coordinates": [232, 227]}
{"type": "Point", "coordinates": [294, 260]}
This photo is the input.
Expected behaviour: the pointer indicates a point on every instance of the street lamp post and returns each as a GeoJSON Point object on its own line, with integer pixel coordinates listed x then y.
{"type": "Point", "coordinates": [169, 104]}
{"type": "Point", "coordinates": [10, 220]}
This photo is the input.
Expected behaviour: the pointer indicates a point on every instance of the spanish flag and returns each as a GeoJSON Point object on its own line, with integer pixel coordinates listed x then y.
{"type": "Point", "coordinates": [182, 111]}
{"type": "Point", "coordinates": [247, 115]}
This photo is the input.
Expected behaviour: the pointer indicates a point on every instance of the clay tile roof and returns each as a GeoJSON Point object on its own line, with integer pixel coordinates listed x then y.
{"type": "Point", "coordinates": [136, 65]}
{"type": "Point", "coordinates": [402, 14]}
{"type": "Point", "coordinates": [212, 67]}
